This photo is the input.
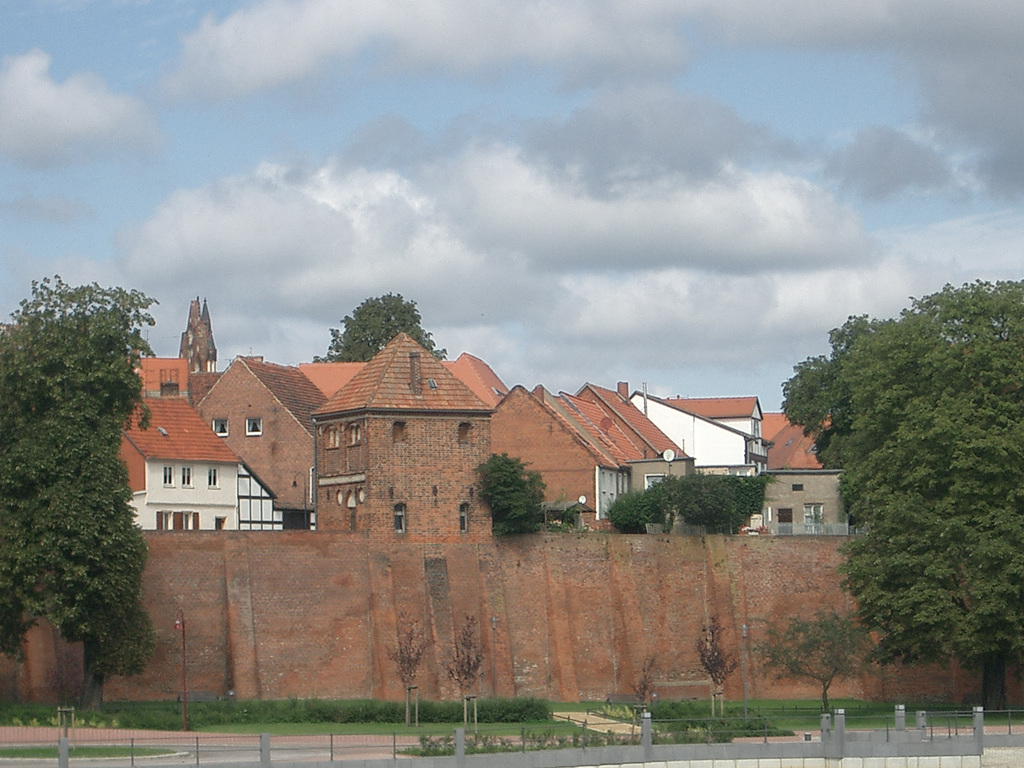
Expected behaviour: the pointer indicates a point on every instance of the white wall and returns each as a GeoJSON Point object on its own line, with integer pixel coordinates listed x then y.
{"type": "Point", "coordinates": [710, 444]}
{"type": "Point", "coordinates": [211, 503]}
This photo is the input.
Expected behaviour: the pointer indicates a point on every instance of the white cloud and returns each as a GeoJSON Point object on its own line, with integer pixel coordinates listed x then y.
{"type": "Point", "coordinates": [275, 42]}
{"type": "Point", "coordinates": [45, 123]}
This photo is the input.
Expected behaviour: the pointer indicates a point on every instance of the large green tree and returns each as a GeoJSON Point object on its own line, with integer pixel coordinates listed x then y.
{"type": "Point", "coordinates": [69, 549]}
{"type": "Point", "coordinates": [373, 324]}
{"type": "Point", "coordinates": [925, 415]}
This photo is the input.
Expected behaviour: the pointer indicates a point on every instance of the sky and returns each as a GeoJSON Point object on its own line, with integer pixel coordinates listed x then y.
{"type": "Point", "coordinates": [682, 194]}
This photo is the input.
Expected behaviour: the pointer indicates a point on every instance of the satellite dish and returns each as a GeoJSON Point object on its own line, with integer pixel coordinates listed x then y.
{"type": "Point", "coordinates": [668, 455]}
{"type": "Point", "coordinates": [582, 499]}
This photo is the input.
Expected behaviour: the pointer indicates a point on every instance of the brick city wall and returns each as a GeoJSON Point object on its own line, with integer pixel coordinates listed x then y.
{"type": "Point", "coordinates": [314, 614]}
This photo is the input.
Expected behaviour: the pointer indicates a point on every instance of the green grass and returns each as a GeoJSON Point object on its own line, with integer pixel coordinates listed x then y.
{"type": "Point", "coordinates": [52, 752]}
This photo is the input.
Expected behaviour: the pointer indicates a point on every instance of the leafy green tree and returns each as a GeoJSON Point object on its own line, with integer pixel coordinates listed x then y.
{"type": "Point", "coordinates": [825, 648]}
{"type": "Point", "coordinates": [925, 415]}
{"type": "Point", "coordinates": [514, 493]}
{"type": "Point", "coordinates": [718, 503]}
{"type": "Point", "coordinates": [69, 549]}
{"type": "Point", "coordinates": [373, 324]}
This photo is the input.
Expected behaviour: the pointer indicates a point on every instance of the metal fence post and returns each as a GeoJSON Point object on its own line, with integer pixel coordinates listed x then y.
{"type": "Point", "coordinates": [332, 747]}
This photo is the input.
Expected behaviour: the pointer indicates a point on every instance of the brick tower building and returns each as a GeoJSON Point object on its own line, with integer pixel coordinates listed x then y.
{"type": "Point", "coordinates": [397, 450]}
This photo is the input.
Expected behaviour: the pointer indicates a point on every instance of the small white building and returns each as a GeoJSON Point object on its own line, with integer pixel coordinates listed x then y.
{"type": "Point", "coordinates": [723, 434]}
{"type": "Point", "coordinates": [183, 477]}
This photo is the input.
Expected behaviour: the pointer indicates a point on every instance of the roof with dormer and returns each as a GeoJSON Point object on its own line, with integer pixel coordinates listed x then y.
{"type": "Point", "coordinates": [177, 432]}
{"type": "Point", "coordinates": [790, 448]}
{"type": "Point", "coordinates": [403, 377]}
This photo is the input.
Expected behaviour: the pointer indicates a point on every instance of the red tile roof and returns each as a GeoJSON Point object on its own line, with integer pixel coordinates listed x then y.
{"type": "Point", "coordinates": [791, 448]}
{"type": "Point", "coordinates": [176, 431]}
{"type": "Point", "coordinates": [289, 385]}
{"type": "Point", "coordinates": [330, 377]}
{"type": "Point", "coordinates": [716, 407]}
{"type": "Point", "coordinates": [647, 430]}
{"type": "Point", "coordinates": [479, 377]}
{"type": "Point", "coordinates": [386, 383]}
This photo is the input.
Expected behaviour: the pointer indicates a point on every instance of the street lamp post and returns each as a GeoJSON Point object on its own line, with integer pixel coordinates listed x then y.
{"type": "Point", "coordinates": [179, 625]}
{"type": "Point", "coordinates": [494, 656]}
{"type": "Point", "coordinates": [743, 632]}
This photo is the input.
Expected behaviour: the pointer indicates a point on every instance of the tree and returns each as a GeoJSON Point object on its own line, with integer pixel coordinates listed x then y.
{"type": "Point", "coordinates": [824, 648]}
{"type": "Point", "coordinates": [643, 686]}
{"type": "Point", "coordinates": [514, 493]}
{"type": "Point", "coordinates": [373, 324]}
{"type": "Point", "coordinates": [466, 660]}
{"type": "Point", "coordinates": [925, 415]}
{"type": "Point", "coordinates": [717, 662]}
{"type": "Point", "coordinates": [69, 550]}
{"type": "Point", "coordinates": [407, 653]}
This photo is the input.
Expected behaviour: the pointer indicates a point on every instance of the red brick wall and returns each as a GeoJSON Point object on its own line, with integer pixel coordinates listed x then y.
{"type": "Point", "coordinates": [522, 427]}
{"type": "Point", "coordinates": [313, 614]}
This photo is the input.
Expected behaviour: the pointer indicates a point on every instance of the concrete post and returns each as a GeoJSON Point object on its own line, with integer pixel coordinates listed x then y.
{"type": "Point", "coordinates": [901, 717]}
{"type": "Point", "coordinates": [264, 750]}
{"type": "Point", "coordinates": [840, 734]}
{"type": "Point", "coordinates": [826, 735]}
{"type": "Point", "coordinates": [460, 747]}
{"type": "Point", "coordinates": [647, 738]}
{"type": "Point", "coordinates": [921, 720]}
{"type": "Point", "coordinates": [63, 752]}
{"type": "Point", "coordinates": [979, 728]}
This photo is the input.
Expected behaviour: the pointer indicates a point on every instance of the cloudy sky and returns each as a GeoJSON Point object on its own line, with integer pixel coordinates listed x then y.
{"type": "Point", "coordinates": [679, 192]}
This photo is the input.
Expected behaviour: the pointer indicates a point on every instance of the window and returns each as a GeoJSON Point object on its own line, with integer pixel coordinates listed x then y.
{"type": "Point", "coordinates": [400, 520]}
{"type": "Point", "coordinates": [186, 477]}
{"type": "Point", "coordinates": [334, 436]}
{"type": "Point", "coordinates": [398, 432]}
{"type": "Point", "coordinates": [168, 477]}
{"type": "Point", "coordinates": [220, 427]}
{"type": "Point", "coordinates": [254, 426]}
{"type": "Point", "coordinates": [652, 480]}
{"type": "Point", "coordinates": [786, 515]}
{"type": "Point", "coordinates": [463, 517]}
{"type": "Point", "coordinates": [212, 480]}
{"type": "Point", "coordinates": [355, 434]}
{"type": "Point", "coordinates": [218, 523]}
{"type": "Point", "coordinates": [798, 486]}
{"type": "Point", "coordinates": [465, 432]}
{"type": "Point", "coordinates": [814, 518]}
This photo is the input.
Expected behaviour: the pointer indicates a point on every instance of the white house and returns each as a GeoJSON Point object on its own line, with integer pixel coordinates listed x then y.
{"type": "Point", "coordinates": [183, 477]}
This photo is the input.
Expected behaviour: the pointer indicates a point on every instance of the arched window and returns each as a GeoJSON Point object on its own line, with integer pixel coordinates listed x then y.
{"type": "Point", "coordinates": [465, 432]}
{"type": "Point", "coordinates": [463, 517]}
{"type": "Point", "coordinates": [400, 518]}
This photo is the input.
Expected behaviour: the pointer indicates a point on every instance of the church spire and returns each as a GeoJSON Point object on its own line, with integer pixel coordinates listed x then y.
{"type": "Point", "coordinates": [197, 345]}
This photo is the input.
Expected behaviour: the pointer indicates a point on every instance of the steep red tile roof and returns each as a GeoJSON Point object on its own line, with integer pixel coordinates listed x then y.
{"type": "Point", "coordinates": [289, 385]}
{"type": "Point", "coordinates": [565, 415]}
{"type": "Point", "coordinates": [647, 430]}
{"type": "Point", "coordinates": [386, 383]}
{"type": "Point", "coordinates": [716, 407]}
{"type": "Point", "coordinates": [330, 377]}
{"type": "Point", "coordinates": [176, 431]}
{"type": "Point", "coordinates": [479, 377]}
{"type": "Point", "coordinates": [791, 448]}
{"type": "Point", "coordinates": [602, 428]}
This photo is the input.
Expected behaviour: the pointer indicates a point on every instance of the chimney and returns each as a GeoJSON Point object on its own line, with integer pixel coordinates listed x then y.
{"type": "Point", "coordinates": [415, 374]}
{"type": "Point", "coordinates": [623, 389]}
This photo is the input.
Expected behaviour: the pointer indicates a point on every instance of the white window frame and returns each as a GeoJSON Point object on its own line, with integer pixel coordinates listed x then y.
{"type": "Point", "coordinates": [253, 426]}
{"type": "Point", "coordinates": [186, 477]}
{"type": "Point", "coordinates": [168, 476]}
{"type": "Point", "coordinates": [218, 423]}
{"type": "Point", "coordinates": [212, 477]}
